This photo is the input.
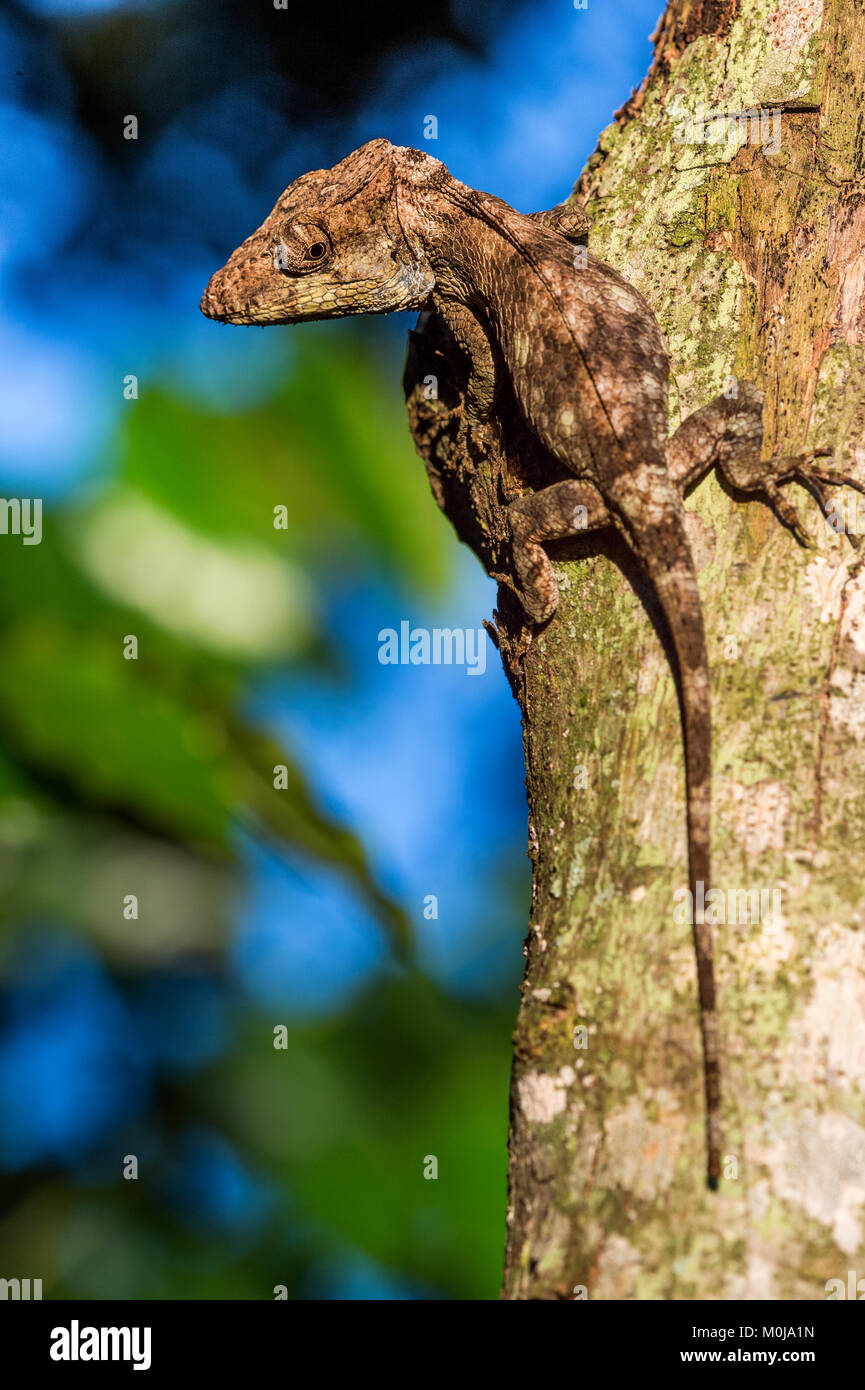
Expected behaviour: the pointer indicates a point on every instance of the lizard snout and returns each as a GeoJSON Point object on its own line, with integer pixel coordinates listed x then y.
{"type": "Point", "coordinates": [229, 296]}
{"type": "Point", "coordinates": [247, 288]}
{"type": "Point", "coordinates": [211, 300]}
{"type": "Point", "coordinates": [220, 300]}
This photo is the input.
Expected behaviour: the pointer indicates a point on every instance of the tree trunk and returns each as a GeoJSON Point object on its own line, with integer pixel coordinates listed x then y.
{"type": "Point", "coordinates": [750, 251]}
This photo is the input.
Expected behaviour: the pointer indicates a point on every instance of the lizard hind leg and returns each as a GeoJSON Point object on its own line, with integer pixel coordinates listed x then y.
{"type": "Point", "coordinates": [565, 509]}
{"type": "Point", "coordinates": [729, 433]}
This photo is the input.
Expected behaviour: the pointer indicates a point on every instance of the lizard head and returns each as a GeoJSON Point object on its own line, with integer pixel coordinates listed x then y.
{"type": "Point", "coordinates": [333, 245]}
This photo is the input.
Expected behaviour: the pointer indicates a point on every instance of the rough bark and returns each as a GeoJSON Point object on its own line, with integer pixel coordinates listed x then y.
{"type": "Point", "coordinates": [753, 260]}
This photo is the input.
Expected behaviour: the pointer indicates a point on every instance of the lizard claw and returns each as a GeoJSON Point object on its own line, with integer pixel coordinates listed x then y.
{"type": "Point", "coordinates": [814, 475]}
{"type": "Point", "coordinates": [788, 514]}
{"type": "Point", "coordinates": [833, 477]}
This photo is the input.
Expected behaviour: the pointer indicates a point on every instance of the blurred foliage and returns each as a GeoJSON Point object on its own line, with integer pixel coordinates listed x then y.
{"type": "Point", "coordinates": [157, 741]}
{"type": "Point", "coordinates": [338, 1123]}
{"type": "Point", "coordinates": [259, 1166]}
{"type": "Point", "coordinates": [330, 444]}
{"type": "Point", "coordinates": [139, 773]}
{"type": "Point", "coordinates": [317, 64]}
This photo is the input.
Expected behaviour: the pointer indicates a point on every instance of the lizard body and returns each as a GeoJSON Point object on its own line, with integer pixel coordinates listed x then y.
{"type": "Point", "coordinates": [582, 354]}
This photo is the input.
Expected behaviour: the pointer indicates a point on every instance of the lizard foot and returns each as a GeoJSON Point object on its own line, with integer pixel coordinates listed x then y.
{"type": "Point", "coordinates": [564, 509]}
{"type": "Point", "coordinates": [806, 469]}
{"type": "Point", "coordinates": [537, 586]}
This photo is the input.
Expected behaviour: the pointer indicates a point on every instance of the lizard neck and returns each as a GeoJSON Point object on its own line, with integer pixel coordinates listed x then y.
{"type": "Point", "coordinates": [462, 235]}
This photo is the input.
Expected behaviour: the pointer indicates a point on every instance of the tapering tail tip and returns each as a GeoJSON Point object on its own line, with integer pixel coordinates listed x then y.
{"type": "Point", "coordinates": [713, 1137]}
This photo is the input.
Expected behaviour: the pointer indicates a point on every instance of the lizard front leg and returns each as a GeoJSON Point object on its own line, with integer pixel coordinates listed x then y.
{"type": "Point", "coordinates": [569, 508]}
{"type": "Point", "coordinates": [568, 219]}
{"type": "Point", "coordinates": [472, 337]}
{"type": "Point", "coordinates": [729, 433]}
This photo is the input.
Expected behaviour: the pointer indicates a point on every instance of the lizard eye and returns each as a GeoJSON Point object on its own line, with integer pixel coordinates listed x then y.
{"type": "Point", "coordinates": [300, 247]}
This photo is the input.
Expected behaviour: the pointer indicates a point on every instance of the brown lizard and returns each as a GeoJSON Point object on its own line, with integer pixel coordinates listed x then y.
{"type": "Point", "coordinates": [580, 350]}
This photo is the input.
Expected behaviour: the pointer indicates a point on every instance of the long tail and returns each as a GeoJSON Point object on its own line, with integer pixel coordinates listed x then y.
{"type": "Point", "coordinates": [665, 553]}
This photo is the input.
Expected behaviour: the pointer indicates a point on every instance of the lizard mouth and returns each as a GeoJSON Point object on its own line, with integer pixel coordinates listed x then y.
{"type": "Point", "coordinates": [294, 299]}
{"type": "Point", "coordinates": [255, 309]}
{"type": "Point", "coordinates": [265, 303]}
